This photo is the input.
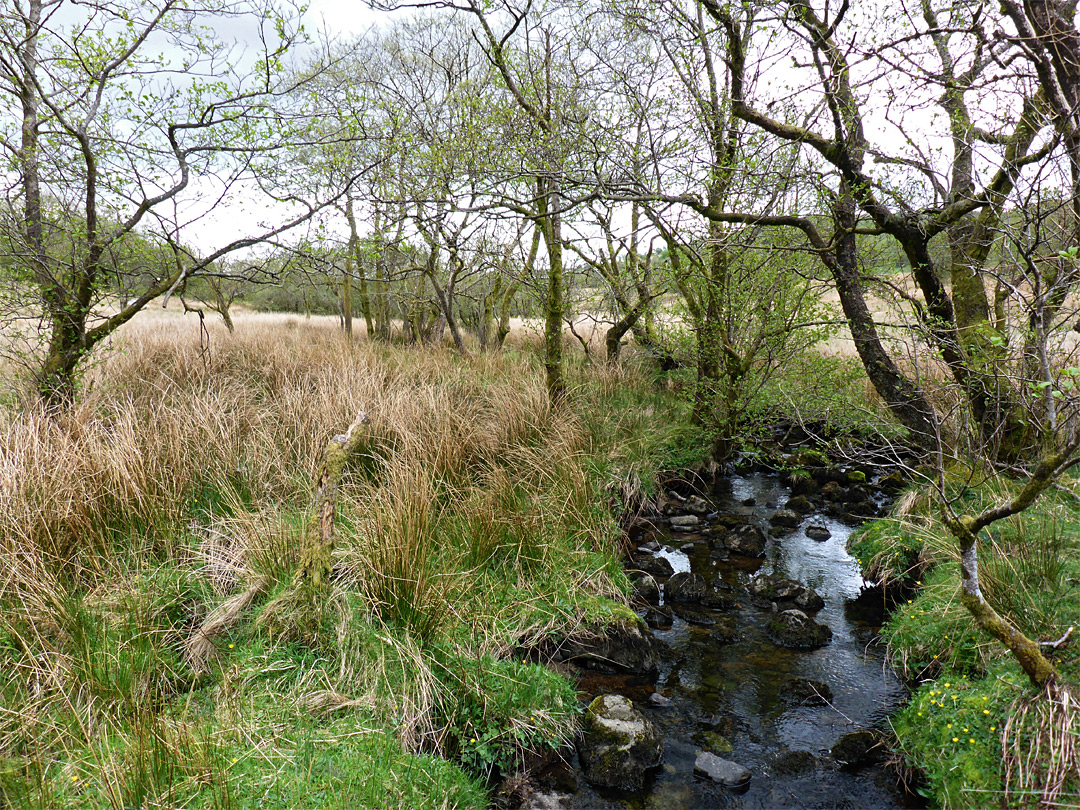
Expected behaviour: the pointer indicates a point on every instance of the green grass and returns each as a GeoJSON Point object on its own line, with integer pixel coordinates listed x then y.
{"type": "Point", "coordinates": [476, 522]}
{"type": "Point", "coordinates": [974, 720]}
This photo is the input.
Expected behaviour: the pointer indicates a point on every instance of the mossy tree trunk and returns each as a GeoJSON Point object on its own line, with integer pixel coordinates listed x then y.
{"type": "Point", "coordinates": [550, 223]}
{"type": "Point", "coordinates": [316, 559]}
{"type": "Point", "coordinates": [966, 530]}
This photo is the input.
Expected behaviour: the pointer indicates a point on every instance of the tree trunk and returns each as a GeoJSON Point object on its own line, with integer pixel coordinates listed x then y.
{"type": "Point", "coordinates": [486, 329]}
{"type": "Point", "coordinates": [504, 315]}
{"type": "Point", "coordinates": [358, 264]}
{"type": "Point", "coordinates": [221, 304]}
{"type": "Point", "coordinates": [551, 226]}
{"type": "Point", "coordinates": [903, 398]}
{"type": "Point", "coordinates": [316, 559]}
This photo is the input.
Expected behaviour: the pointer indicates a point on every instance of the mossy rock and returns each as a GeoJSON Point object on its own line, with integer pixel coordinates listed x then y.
{"type": "Point", "coordinates": [618, 745]}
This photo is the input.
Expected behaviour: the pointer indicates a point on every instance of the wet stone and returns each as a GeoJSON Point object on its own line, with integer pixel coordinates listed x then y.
{"type": "Point", "coordinates": [685, 522]}
{"type": "Point", "coordinates": [618, 745]}
{"type": "Point", "coordinates": [800, 504]}
{"type": "Point", "coordinates": [697, 505]}
{"type": "Point", "coordinates": [785, 518]}
{"type": "Point", "coordinates": [724, 632]}
{"type": "Point", "coordinates": [718, 601]}
{"type": "Point", "coordinates": [863, 510]}
{"type": "Point", "coordinates": [818, 531]}
{"type": "Point", "coordinates": [789, 763]}
{"type": "Point", "coordinates": [714, 743]}
{"type": "Point", "coordinates": [658, 617]}
{"type": "Point", "coordinates": [893, 482]}
{"type": "Point", "coordinates": [685, 587]}
{"type": "Point", "coordinates": [729, 520]}
{"type": "Point", "coordinates": [660, 701]}
{"type": "Point", "coordinates": [808, 692]}
{"type": "Point", "coordinates": [649, 547]}
{"type": "Point", "coordinates": [621, 648]}
{"type": "Point", "coordinates": [793, 628]}
{"type": "Point", "coordinates": [654, 566]}
{"type": "Point", "coordinates": [724, 771]}
{"type": "Point", "coordinates": [856, 494]}
{"type": "Point", "coordinates": [749, 541]}
{"type": "Point", "coordinates": [785, 592]}
{"type": "Point", "coordinates": [547, 801]}
{"type": "Point", "coordinates": [832, 491]}
{"type": "Point", "coordinates": [858, 748]}
{"type": "Point", "coordinates": [646, 589]}
{"type": "Point", "coordinates": [693, 615]}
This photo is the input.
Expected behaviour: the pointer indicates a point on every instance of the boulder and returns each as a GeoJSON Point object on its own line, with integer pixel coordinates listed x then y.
{"type": "Point", "coordinates": [800, 504]}
{"type": "Point", "coordinates": [825, 474]}
{"type": "Point", "coordinates": [724, 631]}
{"type": "Point", "coordinates": [693, 615]}
{"type": "Point", "coordinates": [618, 745]}
{"type": "Point", "coordinates": [785, 518]}
{"type": "Point", "coordinates": [832, 491]}
{"type": "Point", "coordinates": [856, 494]}
{"type": "Point", "coordinates": [790, 763]}
{"type": "Point", "coordinates": [893, 482]}
{"type": "Point", "coordinates": [818, 531]}
{"type": "Point", "coordinates": [808, 692]}
{"type": "Point", "coordinates": [793, 628]}
{"type": "Point", "coordinates": [729, 520]}
{"type": "Point", "coordinates": [717, 601]}
{"type": "Point", "coordinates": [724, 771]}
{"type": "Point", "coordinates": [802, 484]}
{"type": "Point", "coordinates": [624, 647]}
{"type": "Point", "coordinates": [658, 617]}
{"type": "Point", "coordinates": [863, 510]}
{"type": "Point", "coordinates": [649, 547]}
{"type": "Point", "coordinates": [807, 457]}
{"type": "Point", "coordinates": [653, 566]}
{"type": "Point", "coordinates": [685, 587]}
{"type": "Point", "coordinates": [858, 748]}
{"type": "Point", "coordinates": [696, 505]}
{"type": "Point", "coordinates": [683, 523]}
{"type": "Point", "coordinates": [646, 589]}
{"type": "Point", "coordinates": [785, 592]}
{"type": "Point", "coordinates": [749, 541]}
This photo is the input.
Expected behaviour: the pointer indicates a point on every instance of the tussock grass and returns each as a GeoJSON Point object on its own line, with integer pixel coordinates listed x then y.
{"type": "Point", "coordinates": [145, 532]}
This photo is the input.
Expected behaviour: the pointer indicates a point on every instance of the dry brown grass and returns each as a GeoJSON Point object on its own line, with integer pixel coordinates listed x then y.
{"type": "Point", "coordinates": [197, 463]}
{"type": "Point", "coordinates": [163, 422]}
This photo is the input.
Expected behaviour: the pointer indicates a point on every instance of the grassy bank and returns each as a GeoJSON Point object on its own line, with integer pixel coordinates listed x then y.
{"type": "Point", "coordinates": [979, 732]}
{"type": "Point", "coordinates": [171, 503]}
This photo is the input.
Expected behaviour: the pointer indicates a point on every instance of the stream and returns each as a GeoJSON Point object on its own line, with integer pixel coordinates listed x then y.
{"type": "Point", "coordinates": [736, 699]}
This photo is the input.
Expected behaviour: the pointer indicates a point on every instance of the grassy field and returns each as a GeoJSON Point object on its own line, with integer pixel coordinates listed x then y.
{"type": "Point", "coordinates": [168, 507]}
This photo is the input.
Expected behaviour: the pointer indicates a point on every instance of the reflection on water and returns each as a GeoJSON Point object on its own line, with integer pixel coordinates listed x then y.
{"type": "Point", "coordinates": [740, 690]}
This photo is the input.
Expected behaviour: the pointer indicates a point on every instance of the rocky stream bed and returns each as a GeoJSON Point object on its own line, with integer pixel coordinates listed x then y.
{"type": "Point", "coordinates": [763, 683]}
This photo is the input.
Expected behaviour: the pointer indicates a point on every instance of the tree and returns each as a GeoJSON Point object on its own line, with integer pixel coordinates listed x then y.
{"type": "Point", "coordinates": [843, 146]}
{"type": "Point", "coordinates": [115, 117]}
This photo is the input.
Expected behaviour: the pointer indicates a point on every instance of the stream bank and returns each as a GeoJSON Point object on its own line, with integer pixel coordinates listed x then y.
{"type": "Point", "coordinates": [800, 713]}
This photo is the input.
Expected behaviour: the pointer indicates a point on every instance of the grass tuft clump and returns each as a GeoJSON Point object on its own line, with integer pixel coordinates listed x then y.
{"type": "Point", "coordinates": [153, 657]}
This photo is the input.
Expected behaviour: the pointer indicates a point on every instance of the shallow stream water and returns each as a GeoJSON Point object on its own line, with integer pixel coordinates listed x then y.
{"type": "Point", "coordinates": [741, 690]}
